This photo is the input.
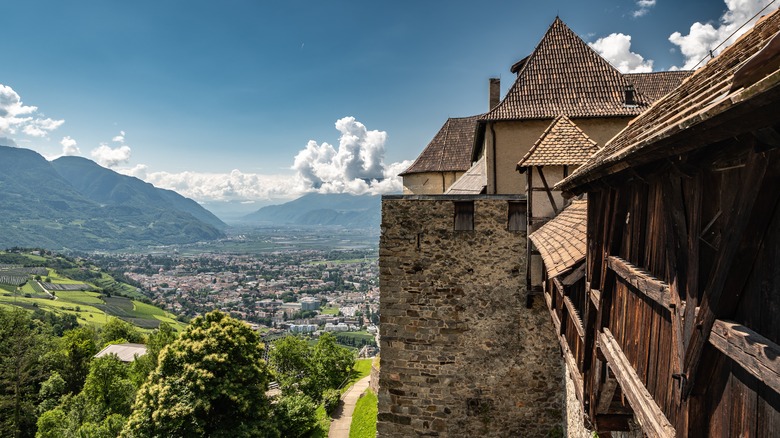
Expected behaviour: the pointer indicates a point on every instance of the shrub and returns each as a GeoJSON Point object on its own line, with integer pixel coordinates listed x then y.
{"type": "Point", "coordinates": [330, 399]}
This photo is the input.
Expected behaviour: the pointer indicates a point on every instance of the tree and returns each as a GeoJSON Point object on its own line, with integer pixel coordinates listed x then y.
{"type": "Point", "coordinates": [22, 344]}
{"type": "Point", "coordinates": [333, 362]}
{"type": "Point", "coordinates": [144, 365]}
{"type": "Point", "coordinates": [118, 331]}
{"type": "Point", "coordinates": [295, 415]}
{"type": "Point", "coordinates": [211, 381]}
{"type": "Point", "coordinates": [77, 347]}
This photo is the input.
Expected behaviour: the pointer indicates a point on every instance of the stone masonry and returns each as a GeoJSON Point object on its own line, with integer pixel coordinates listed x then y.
{"type": "Point", "coordinates": [461, 352]}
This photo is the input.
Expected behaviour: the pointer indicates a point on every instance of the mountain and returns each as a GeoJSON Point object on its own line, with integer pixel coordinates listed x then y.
{"type": "Point", "coordinates": [87, 207]}
{"type": "Point", "coordinates": [364, 211]}
{"type": "Point", "coordinates": [108, 187]}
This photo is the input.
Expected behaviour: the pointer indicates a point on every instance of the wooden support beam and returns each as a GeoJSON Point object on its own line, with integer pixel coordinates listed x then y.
{"type": "Point", "coordinates": [756, 354]}
{"type": "Point", "coordinates": [746, 225]}
{"type": "Point", "coordinates": [606, 394]}
{"type": "Point", "coordinates": [612, 423]}
{"type": "Point", "coordinates": [574, 315]}
{"type": "Point", "coordinates": [547, 189]}
{"type": "Point", "coordinates": [647, 411]}
{"type": "Point", "coordinates": [652, 287]}
{"type": "Point", "coordinates": [574, 371]}
{"type": "Point", "coordinates": [595, 298]}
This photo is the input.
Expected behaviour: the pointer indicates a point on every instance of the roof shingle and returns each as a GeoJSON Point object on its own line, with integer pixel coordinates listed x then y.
{"type": "Point", "coordinates": [563, 240]}
{"type": "Point", "coordinates": [562, 143]}
{"type": "Point", "coordinates": [450, 150]}
{"type": "Point", "coordinates": [710, 92]}
{"type": "Point", "coordinates": [564, 75]}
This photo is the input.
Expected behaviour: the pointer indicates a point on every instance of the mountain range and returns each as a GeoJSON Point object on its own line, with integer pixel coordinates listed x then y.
{"type": "Point", "coordinates": [364, 211]}
{"type": "Point", "coordinates": [73, 202]}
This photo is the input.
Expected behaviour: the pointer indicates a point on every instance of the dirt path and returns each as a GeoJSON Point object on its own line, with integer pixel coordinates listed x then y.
{"type": "Point", "coordinates": [342, 418]}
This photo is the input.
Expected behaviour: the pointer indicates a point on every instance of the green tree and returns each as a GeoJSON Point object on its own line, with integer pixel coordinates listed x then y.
{"type": "Point", "coordinates": [51, 391]}
{"type": "Point", "coordinates": [77, 347]}
{"type": "Point", "coordinates": [211, 382]}
{"type": "Point", "coordinates": [22, 345]}
{"type": "Point", "coordinates": [108, 389]}
{"type": "Point", "coordinates": [118, 331]}
{"type": "Point", "coordinates": [144, 365]}
{"type": "Point", "coordinates": [295, 415]}
{"type": "Point", "coordinates": [333, 363]}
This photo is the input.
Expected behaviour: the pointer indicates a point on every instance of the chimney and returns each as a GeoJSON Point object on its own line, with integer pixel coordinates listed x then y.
{"type": "Point", "coordinates": [630, 99]}
{"type": "Point", "coordinates": [495, 92]}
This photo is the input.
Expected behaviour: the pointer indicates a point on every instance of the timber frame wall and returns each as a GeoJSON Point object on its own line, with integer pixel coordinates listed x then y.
{"type": "Point", "coordinates": [683, 280]}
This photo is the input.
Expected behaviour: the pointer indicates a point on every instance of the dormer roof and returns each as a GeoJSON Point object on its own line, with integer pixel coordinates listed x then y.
{"type": "Point", "coordinates": [450, 150]}
{"type": "Point", "coordinates": [562, 143]}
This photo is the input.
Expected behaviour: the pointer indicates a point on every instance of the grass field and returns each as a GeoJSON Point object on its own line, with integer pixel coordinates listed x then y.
{"type": "Point", "coordinates": [364, 417]}
{"type": "Point", "coordinates": [328, 310]}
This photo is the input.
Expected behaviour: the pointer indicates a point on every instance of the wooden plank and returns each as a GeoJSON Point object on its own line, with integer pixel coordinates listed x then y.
{"type": "Point", "coordinates": [547, 189]}
{"type": "Point", "coordinates": [575, 317]}
{"type": "Point", "coordinates": [595, 298]}
{"type": "Point", "coordinates": [652, 287]}
{"type": "Point", "coordinates": [606, 395]}
{"type": "Point", "coordinates": [571, 364]}
{"type": "Point", "coordinates": [756, 354]}
{"type": "Point", "coordinates": [648, 413]}
{"type": "Point", "coordinates": [746, 224]}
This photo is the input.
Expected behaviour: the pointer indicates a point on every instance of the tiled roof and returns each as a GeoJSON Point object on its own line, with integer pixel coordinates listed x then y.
{"type": "Point", "coordinates": [562, 241]}
{"type": "Point", "coordinates": [565, 76]}
{"type": "Point", "coordinates": [562, 143]}
{"type": "Point", "coordinates": [450, 149]}
{"type": "Point", "coordinates": [658, 84]}
{"type": "Point", "coordinates": [704, 105]}
{"type": "Point", "coordinates": [125, 352]}
{"type": "Point", "coordinates": [473, 182]}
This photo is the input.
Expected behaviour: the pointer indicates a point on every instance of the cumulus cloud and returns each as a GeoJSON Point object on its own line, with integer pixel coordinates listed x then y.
{"type": "Point", "coordinates": [17, 117]}
{"type": "Point", "coordinates": [616, 48]}
{"type": "Point", "coordinates": [119, 138]}
{"type": "Point", "coordinates": [703, 37]}
{"type": "Point", "coordinates": [643, 7]}
{"type": "Point", "coordinates": [69, 146]}
{"type": "Point", "coordinates": [107, 156]}
{"type": "Point", "coordinates": [356, 167]}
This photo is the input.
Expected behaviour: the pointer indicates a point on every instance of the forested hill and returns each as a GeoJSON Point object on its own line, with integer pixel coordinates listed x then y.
{"type": "Point", "coordinates": [364, 211]}
{"type": "Point", "coordinates": [74, 203]}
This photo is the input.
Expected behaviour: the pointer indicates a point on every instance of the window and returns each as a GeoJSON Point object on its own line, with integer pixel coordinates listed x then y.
{"type": "Point", "coordinates": [516, 220]}
{"type": "Point", "coordinates": [464, 215]}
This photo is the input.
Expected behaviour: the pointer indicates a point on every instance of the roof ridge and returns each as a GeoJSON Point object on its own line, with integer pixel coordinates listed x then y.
{"type": "Point", "coordinates": [569, 144]}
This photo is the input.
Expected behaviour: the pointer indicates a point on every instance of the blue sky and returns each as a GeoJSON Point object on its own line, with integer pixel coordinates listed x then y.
{"type": "Point", "coordinates": [217, 99]}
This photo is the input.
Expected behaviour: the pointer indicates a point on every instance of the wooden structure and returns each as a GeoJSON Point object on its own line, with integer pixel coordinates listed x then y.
{"type": "Point", "coordinates": [682, 268]}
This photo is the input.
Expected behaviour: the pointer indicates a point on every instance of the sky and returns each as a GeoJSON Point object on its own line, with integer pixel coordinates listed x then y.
{"type": "Point", "coordinates": [246, 102]}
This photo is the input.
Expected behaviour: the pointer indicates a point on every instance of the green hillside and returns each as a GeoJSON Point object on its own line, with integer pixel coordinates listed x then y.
{"type": "Point", "coordinates": [66, 286]}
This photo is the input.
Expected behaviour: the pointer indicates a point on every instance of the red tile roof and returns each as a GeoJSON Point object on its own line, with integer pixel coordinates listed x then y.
{"type": "Point", "coordinates": [706, 104]}
{"type": "Point", "coordinates": [562, 143]}
{"type": "Point", "coordinates": [450, 150]}
{"type": "Point", "coordinates": [563, 240]}
{"type": "Point", "coordinates": [658, 84]}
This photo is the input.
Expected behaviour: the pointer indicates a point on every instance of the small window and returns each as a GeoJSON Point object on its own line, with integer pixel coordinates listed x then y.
{"type": "Point", "coordinates": [516, 220]}
{"type": "Point", "coordinates": [464, 215]}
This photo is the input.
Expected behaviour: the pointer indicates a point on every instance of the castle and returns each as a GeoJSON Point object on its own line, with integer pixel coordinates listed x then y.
{"type": "Point", "coordinates": [590, 253]}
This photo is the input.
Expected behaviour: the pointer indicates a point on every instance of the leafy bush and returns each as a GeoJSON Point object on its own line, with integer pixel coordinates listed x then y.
{"type": "Point", "coordinates": [295, 415]}
{"type": "Point", "coordinates": [330, 399]}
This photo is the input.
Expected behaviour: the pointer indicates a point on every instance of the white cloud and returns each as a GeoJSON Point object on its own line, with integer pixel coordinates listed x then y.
{"type": "Point", "coordinates": [69, 146]}
{"type": "Point", "coordinates": [643, 7]}
{"type": "Point", "coordinates": [703, 37]}
{"type": "Point", "coordinates": [616, 48]}
{"type": "Point", "coordinates": [356, 167]}
{"type": "Point", "coordinates": [107, 156]}
{"type": "Point", "coordinates": [119, 138]}
{"type": "Point", "coordinates": [15, 116]}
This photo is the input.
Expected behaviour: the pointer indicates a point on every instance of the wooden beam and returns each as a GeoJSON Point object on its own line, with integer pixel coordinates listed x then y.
{"type": "Point", "coordinates": [652, 287]}
{"type": "Point", "coordinates": [595, 298]}
{"type": "Point", "coordinates": [547, 188]}
{"type": "Point", "coordinates": [746, 225]}
{"type": "Point", "coordinates": [612, 423]}
{"type": "Point", "coordinates": [574, 371]}
{"type": "Point", "coordinates": [575, 316]}
{"type": "Point", "coordinates": [756, 354]}
{"type": "Point", "coordinates": [606, 395]}
{"type": "Point", "coordinates": [647, 411]}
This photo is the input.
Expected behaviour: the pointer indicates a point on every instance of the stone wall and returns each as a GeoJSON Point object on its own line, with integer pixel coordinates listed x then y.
{"type": "Point", "coordinates": [461, 353]}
